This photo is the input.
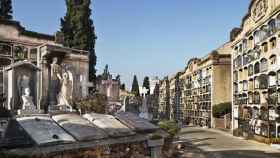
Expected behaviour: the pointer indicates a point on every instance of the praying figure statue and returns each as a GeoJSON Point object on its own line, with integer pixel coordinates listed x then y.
{"type": "Point", "coordinates": [27, 100]}
{"type": "Point", "coordinates": [66, 91]}
{"type": "Point", "coordinates": [55, 81]}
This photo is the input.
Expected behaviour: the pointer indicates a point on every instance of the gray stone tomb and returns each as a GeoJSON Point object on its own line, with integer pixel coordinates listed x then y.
{"type": "Point", "coordinates": [44, 131]}
{"type": "Point", "coordinates": [109, 124]}
{"type": "Point", "coordinates": [135, 122]}
{"type": "Point", "coordinates": [79, 127]}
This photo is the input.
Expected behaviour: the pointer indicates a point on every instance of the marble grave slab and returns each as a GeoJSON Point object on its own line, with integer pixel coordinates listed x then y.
{"type": "Point", "coordinates": [79, 127]}
{"type": "Point", "coordinates": [109, 124]}
{"type": "Point", "coordinates": [44, 131]}
{"type": "Point", "coordinates": [136, 123]}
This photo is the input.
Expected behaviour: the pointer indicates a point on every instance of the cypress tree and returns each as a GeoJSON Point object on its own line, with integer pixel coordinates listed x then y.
{"type": "Point", "coordinates": [78, 31]}
{"type": "Point", "coordinates": [135, 86]}
{"type": "Point", "coordinates": [146, 83]}
{"type": "Point", "coordinates": [6, 10]}
{"type": "Point", "coordinates": [122, 86]}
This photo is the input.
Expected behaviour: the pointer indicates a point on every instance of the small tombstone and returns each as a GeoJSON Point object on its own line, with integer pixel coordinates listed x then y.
{"type": "Point", "coordinates": [109, 124]}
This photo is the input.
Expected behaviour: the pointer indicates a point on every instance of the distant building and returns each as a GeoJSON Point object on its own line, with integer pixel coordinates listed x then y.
{"type": "Point", "coordinates": [164, 99]}
{"type": "Point", "coordinates": [153, 83]}
{"type": "Point", "coordinates": [206, 84]}
{"type": "Point", "coordinates": [111, 88]}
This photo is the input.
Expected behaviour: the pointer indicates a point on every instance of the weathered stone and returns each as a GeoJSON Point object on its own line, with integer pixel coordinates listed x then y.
{"type": "Point", "coordinates": [79, 127]}
{"type": "Point", "coordinates": [43, 130]}
{"type": "Point", "coordinates": [109, 124]}
{"type": "Point", "coordinates": [136, 123]}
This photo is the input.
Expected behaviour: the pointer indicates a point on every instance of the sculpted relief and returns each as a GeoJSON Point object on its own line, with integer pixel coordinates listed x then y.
{"type": "Point", "coordinates": [259, 10]}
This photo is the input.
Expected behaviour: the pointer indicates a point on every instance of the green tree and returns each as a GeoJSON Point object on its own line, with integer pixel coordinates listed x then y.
{"type": "Point", "coordinates": [146, 83]}
{"type": "Point", "coordinates": [122, 86]}
{"type": "Point", "coordinates": [6, 10]}
{"type": "Point", "coordinates": [78, 31]}
{"type": "Point", "coordinates": [135, 86]}
{"type": "Point", "coordinates": [221, 109]}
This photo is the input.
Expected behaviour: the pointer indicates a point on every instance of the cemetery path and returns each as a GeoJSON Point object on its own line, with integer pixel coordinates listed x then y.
{"type": "Point", "coordinates": [208, 143]}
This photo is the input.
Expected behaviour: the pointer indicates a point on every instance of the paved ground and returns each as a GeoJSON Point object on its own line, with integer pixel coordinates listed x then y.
{"type": "Point", "coordinates": [205, 143]}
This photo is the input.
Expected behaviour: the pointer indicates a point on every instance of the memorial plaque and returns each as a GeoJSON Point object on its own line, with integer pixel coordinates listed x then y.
{"type": "Point", "coordinates": [109, 124]}
{"type": "Point", "coordinates": [135, 123]}
{"type": "Point", "coordinates": [44, 131]}
{"type": "Point", "coordinates": [79, 127]}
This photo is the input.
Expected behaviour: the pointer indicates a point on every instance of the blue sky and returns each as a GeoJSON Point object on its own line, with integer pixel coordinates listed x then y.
{"type": "Point", "coordinates": [144, 37]}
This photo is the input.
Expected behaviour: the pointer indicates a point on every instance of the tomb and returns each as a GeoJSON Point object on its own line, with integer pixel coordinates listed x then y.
{"type": "Point", "coordinates": [135, 123]}
{"type": "Point", "coordinates": [79, 127]}
{"type": "Point", "coordinates": [37, 74]}
{"type": "Point", "coordinates": [44, 131]}
{"type": "Point", "coordinates": [109, 124]}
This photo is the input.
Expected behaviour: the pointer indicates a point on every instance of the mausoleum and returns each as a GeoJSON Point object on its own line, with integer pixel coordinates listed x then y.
{"type": "Point", "coordinates": [36, 64]}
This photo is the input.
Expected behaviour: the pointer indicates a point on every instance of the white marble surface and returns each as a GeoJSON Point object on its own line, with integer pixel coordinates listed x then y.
{"type": "Point", "coordinates": [43, 130]}
{"type": "Point", "coordinates": [109, 124]}
{"type": "Point", "coordinates": [79, 127]}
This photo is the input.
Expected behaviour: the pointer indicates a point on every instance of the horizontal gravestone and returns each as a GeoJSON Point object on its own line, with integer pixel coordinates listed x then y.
{"type": "Point", "coordinates": [44, 131]}
{"type": "Point", "coordinates": [135, 123]}
{"type": "Point", "coordinates": [79, 127]}
{"type": "Point", "coordinates": [109, 124]}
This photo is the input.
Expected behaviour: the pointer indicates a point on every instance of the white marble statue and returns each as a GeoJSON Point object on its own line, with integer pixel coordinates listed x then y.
{"type": "Point", "coordinates": [27, 100]}
{"type": "Point", "coordinates": [144, 108]}
{"type": "Point", "coordinates": [66, 91]}
{"type": "Point", "coordinates": [23, 82]}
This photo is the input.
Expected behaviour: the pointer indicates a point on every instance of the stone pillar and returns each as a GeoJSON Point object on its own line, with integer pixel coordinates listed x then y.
{"type": "Point", "coordinates": [44, 84]}
{"type": "Point", "coordinates": [156, 152]}
{"type": "Point", "coordinates": [156, 147]}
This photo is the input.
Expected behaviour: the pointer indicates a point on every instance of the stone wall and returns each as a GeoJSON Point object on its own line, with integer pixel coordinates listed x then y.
{"type": "Point", "coordinates": [135, 150]}
{"type": "Point", "coordinates": [222, 123]}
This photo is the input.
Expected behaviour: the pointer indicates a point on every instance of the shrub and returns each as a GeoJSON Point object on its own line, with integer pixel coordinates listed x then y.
{"type": "Point", "coordinates": [275, 141]}
{"type": "Point", "coordinates": [222, 109]}
{"type": "Point", "coordinates": [93, 103]}
{"type": "Point", "coordinates": [155, 137]}
{"type": "Point", "coordinates": [170, 127]}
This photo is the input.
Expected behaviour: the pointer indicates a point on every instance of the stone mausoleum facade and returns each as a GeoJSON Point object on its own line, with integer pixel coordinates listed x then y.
{"type": "Point", "coordinates": [256, 72]}
{"type": "Point", "coordinates": [25, 61]}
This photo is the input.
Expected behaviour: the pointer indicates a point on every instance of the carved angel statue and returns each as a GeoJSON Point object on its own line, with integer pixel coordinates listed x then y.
{"type": "Point", "coordinates": [66, 91]}
{"type": "Point", "coordinates": [23, 82]}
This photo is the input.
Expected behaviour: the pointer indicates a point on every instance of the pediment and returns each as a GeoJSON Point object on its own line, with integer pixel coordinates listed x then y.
{"type": "Point", "coordinates": [259, 9]}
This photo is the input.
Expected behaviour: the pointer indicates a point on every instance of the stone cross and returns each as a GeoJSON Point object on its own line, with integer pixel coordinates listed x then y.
{"type": "Point", "coordinates": [144, 91]}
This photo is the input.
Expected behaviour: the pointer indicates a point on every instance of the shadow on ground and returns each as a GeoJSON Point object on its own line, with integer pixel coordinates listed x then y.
{"type": "Point", "coordinates": [190, 150]}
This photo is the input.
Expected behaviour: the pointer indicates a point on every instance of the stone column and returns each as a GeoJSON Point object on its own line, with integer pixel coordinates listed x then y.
{"type": "Point", "coordinates": [156, 152]}
{"type": "Point", "coordinates": [156, 147]}
{"type": "Point", "coordinates": [44, 84]}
